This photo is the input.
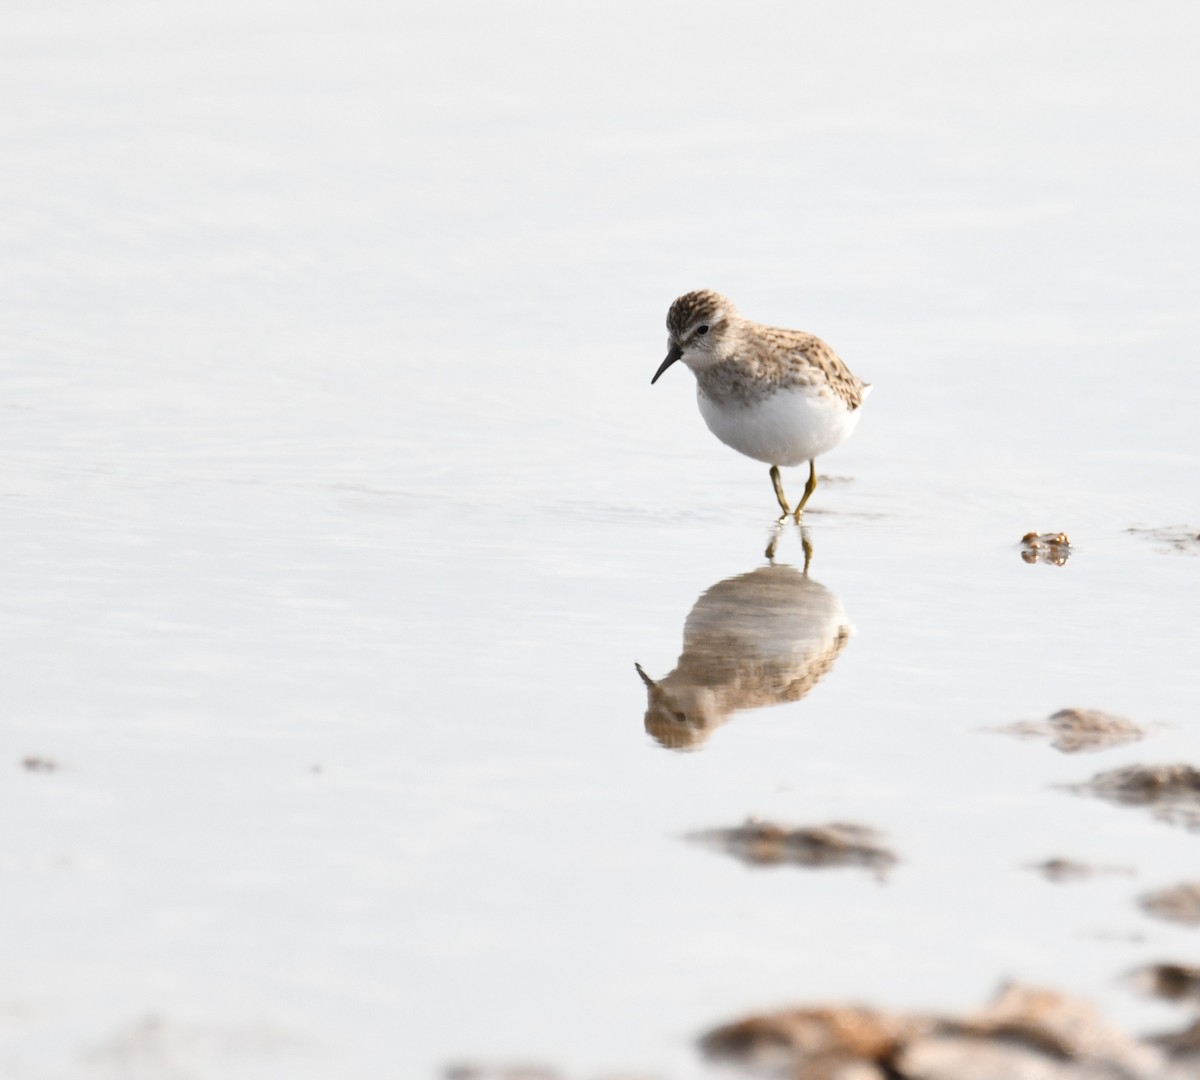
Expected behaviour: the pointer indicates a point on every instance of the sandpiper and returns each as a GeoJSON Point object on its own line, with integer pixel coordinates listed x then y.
{"type": "Point", "coordinates": [779, 396]}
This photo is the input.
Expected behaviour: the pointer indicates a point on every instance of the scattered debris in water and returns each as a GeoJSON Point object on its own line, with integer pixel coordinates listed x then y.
{"type": "Point", "coordinates": [1179, 903]}
{"type": "Point", "coordinates": [34, 763]}
{"type": "Point", "coordinates": [1171, 982]}
{"type": "Point", "coordinates": [761, 843]}
{"type": "Point", "coordinates": [1025, 1034]}
{"type": "Point", "coordinates": [1061, 870]}
{"type": "Point", "coordinates": [1184, 539]}
{"type": "Point", "coordinates": [1171, 791]}
{"type": "Point", "coordinates": [1074, 730]}
{"type": "Point", "coordinates": [1053, 548]}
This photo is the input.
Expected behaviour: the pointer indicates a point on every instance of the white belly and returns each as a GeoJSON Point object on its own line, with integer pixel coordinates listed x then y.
{"type": "Point", "coordinates": [788, 428]}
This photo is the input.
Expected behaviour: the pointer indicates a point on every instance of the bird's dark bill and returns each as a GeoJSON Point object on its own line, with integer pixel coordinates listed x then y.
{"type": "Point", "coordinates": [675, 353]}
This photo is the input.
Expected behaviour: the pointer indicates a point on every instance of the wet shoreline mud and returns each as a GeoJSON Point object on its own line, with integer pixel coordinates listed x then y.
{"type": "Point", "coordinates": [1023, 1034]}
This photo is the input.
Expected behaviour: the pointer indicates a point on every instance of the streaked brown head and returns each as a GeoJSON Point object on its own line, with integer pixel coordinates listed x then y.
{"type": "Point", "coordinates": [696, 325]}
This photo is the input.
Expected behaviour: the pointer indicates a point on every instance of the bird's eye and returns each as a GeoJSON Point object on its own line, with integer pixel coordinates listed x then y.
{"type": "Point", "coordinates": [701, 329]}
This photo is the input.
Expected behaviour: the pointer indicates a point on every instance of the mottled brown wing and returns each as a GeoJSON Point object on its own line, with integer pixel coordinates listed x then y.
{"type": "Point", "coordinates": [807, 361]}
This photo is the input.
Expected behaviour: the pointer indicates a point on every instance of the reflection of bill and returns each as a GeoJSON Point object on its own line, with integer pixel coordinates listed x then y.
{"type": "Point", "coordinates": [757, 639]}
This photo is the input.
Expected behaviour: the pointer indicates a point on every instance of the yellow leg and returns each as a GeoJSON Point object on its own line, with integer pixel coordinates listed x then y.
{"type": "Point", "coordinates": [806, 544]}
{"type": "Point", "coordinates": [777, 481]}
{"type": "Point", "coordinates": [809, 488]}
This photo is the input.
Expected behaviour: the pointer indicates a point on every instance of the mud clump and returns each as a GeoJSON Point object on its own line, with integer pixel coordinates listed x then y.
{"type": "Point", "coordinates": [1052, 548]}
{"type": "Point", "coordinates": [1061, 871]}
{"type": "Point", "coordinates": [1024, 1034]}
{"type": "Point", "coordinates": [1172, 792]}
{"type": "Point", "coordinates": [1072, 731]}
{"type": "Point", "coordinates": [1171, 982]}
{"type": "Point", "coordinates": [815, 1042]}
{"type": "Point", "coordinates": [762, 843]}
{"type": "Point", "coordinates": [1179, 903]}
{"type": "Point", "coordinates": [36, 763]}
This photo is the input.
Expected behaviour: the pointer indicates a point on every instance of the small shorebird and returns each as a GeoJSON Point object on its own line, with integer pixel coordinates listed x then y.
{"type": "Point", "coordinates": [778, 396]}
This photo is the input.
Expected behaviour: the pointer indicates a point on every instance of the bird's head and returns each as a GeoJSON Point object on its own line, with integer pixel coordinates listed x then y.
{"type": "Point", "coordinates": [699, 326]}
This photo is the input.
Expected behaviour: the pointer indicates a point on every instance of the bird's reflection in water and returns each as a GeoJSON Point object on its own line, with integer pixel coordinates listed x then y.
{"type": "Point", "coordinates": [757, 639]}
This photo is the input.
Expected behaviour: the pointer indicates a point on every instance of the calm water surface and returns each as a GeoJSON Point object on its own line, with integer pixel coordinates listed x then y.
{"type": "Point", "coordinates": [337, 509]}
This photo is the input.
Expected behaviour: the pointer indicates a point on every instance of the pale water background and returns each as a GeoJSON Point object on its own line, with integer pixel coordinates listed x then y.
{"type": "Point", "coordinates": [337, 507]}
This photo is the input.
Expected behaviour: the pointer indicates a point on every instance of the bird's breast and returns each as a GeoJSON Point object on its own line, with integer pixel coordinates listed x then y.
{"type": "Point", "coordinates": [789, 426]}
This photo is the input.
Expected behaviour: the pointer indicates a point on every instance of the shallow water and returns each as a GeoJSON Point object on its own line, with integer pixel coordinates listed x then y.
{"type": "Point", "coordinates": [338, 508]}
